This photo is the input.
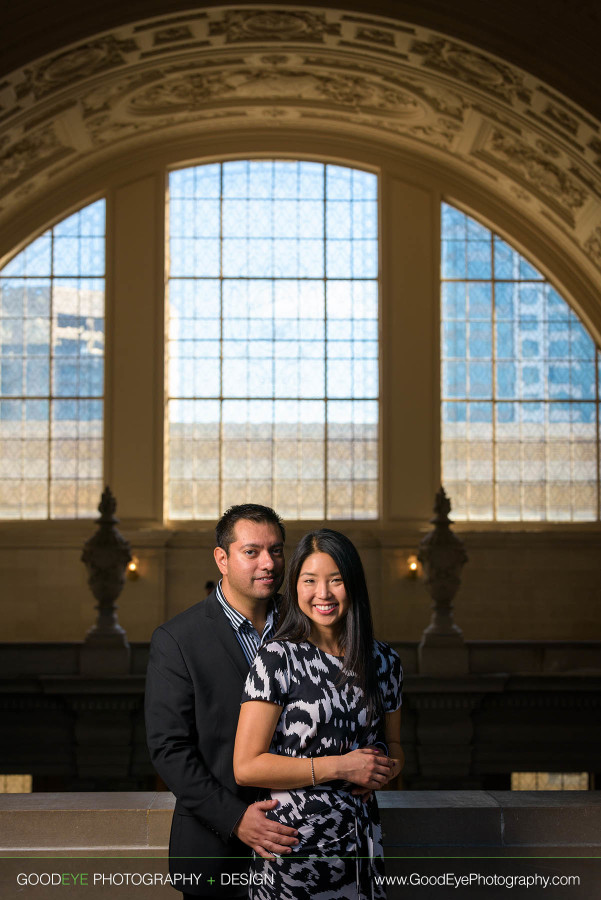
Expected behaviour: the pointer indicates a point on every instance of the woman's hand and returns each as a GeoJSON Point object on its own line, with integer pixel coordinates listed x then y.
{"type": "Point", "coordinates": [395, 769]}
{"type": "Point", "coordinates": [365, 767]}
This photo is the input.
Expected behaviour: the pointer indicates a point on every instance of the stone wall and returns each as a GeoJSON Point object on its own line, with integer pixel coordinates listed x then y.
{"type": "Point", "coordinates": [516, 585]}
{"type": "Point", "coordinates": [104, 839]}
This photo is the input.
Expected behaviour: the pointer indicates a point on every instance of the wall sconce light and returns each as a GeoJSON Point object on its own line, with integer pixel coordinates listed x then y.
{"type": "Point", "coordinates": [414, 569]}
{"type": "Point", "coordinates": [133, 572]}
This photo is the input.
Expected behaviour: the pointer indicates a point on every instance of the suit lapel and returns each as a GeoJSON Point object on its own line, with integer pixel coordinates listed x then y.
{"type": "Point", "coordinates": [224, 633]}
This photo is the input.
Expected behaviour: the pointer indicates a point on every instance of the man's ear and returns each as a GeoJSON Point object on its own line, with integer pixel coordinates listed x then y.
{"type": "Point", "coordinates": [221, 559]}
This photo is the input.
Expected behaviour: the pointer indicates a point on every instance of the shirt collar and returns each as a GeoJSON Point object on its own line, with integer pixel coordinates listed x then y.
{"type": "Point", "coordinates": [237, 620]}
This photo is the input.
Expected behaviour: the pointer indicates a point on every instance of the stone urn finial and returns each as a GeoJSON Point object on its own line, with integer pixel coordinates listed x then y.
{"type": "Point", "coordinates": [105, 556]}
{"type": "Point", "coordinates": [442, 555]}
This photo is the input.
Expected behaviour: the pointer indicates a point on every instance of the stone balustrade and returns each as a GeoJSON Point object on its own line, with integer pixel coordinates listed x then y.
{"type": "Point", "coordinates": [109, 844]}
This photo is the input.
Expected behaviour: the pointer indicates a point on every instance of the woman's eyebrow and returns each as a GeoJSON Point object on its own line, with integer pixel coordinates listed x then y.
{"type": "Point", "coordinates": [336, 572]}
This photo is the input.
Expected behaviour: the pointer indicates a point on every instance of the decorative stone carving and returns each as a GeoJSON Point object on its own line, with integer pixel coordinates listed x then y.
{"type": "Point", "coordinates": [375, 36]}
{"type": "Point", "coordinates": [193, 90]}
{"type": "Point", "coordinates": [243, 25]}
{"type": "Point", "coordinates": [183, 93]}
{"type": "Point", "coordinates": [105, 98]}
{"type": "Point", "coordinates": [472, 67]}
{"type": "Point", "coordinates": [439, 99]}
{"type": "Point", "coordinates": [403, 84]}
{"type": "Point", "coordinates": [28, 156]}
{"type": "Point", "coordinates": [534, 170]}
{"type": "Point", "coordinates": [593, 246]}
{"type": "Point", "coordinates": [105, 556]}
{"type": "Point", "coordinates": [586, 180]}
{"type": "Point", "coordinates": [548, 149]}
{"type": "Point", "coordinates": [442, 555]}
{"type": "Point", "coordinates": [87, 59]}
{"type": "Point", "coordinates": [488, 112]}
{"type": "Point", "coordinates": [562, 118]}
{"type": "Point", "coordinates": [595, 146]}
{"type": "Point", "coordinates": [441, 135]}
{"type": "Point", "coordinates": [519, 194]}
{"type": "Point", "coordinates": [171, 35]}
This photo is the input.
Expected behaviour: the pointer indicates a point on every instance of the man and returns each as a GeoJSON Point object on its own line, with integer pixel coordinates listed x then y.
{"type": "Point", "coordinates": [197, 667]}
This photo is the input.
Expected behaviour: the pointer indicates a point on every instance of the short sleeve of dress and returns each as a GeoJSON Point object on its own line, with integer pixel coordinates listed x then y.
{"type": "Point", "coordinates": [390, 676]}
{"type": "Point", "coordinates": [269, 675]}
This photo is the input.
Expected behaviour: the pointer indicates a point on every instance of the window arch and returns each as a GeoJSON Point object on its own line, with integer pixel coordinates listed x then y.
{"type": "Point", "coordinates": [52, 371]}
{"type": "Point", "coordinates": [273, 339]}
{"type": "Point", "coordinates": [520, 386]}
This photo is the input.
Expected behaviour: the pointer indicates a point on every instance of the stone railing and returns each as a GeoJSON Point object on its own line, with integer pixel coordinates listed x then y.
{"type": "Point", "coordinates": [116, 843]}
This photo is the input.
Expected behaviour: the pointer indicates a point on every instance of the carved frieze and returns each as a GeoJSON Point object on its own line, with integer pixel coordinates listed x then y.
{"type": "Point", "coordinates": [474, 68]}
{"type": "Point", "coordinates": [534, 170]}
{"type": "Point", "coordinates": [440, 99]}
{"type": "Point", "coordinates": [225, 66]}
{"type": "Point", "coordinates": [63, 69]}
{"type": "Point", "coordinates": [592, 246]}
{"type": "Point", "coordinates": [242, 25]}
{"type": "Point", "coordinates": [172, 35]}
{"type": "Point", "coordinates": [489, 112]}
{"type": "Point", "coordinates": [375, 36]}
{"type": "Point", "coordinates": [28, 156]}
{"type": "Point", "coordinates": [520, 194]}
{"type": "Point", "coordinates": [562, 118]}
{"type": "Point", "coordinates": [193, 90]}
{"type": "Point", "coordinates": [595, 146]}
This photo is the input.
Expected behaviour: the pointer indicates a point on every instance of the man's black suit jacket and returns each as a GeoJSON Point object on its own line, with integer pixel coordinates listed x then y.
{"type": "Point", "coordinates": [196, 673]}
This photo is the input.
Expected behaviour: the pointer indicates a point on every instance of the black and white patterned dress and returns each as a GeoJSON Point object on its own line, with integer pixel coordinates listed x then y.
{"type": "Point", "coordinates": [339, 850]}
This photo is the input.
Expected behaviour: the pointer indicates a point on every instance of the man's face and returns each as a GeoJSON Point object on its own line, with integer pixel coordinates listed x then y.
{"type": "Point", "coordinates": [254, 567]}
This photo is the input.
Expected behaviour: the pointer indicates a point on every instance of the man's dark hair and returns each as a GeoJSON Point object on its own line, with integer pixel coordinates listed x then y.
{"type": "Point", "coordinates": [253, 512]}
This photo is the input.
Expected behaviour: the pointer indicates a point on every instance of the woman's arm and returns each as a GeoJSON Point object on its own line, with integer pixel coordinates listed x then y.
{"type": "Point", "coordinates": [392, 732]}
{"type": "Point", "coordinates": [254, 765]}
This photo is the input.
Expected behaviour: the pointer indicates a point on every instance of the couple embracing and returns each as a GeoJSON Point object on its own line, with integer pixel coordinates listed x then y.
{"type": "Point", "coordinates": [274, 719]}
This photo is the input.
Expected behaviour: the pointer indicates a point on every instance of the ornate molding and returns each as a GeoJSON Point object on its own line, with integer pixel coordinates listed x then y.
{"type": "Point", "coordinates": [249, 25]}
{"type": "Point", "coordinates": [225, 69]}
{"type": "Point", "coordinates": [190, 92]}
{"type": "Point", "coordinates": [23, 159]}
{"type": "Point", "coordinates": [536, 169]}
{"type": "Point", "coordinates": [465, 64]}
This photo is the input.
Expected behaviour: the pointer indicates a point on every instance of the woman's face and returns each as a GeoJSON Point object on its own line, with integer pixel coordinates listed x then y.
{"type": "Point", "coordinates": [321, 592]}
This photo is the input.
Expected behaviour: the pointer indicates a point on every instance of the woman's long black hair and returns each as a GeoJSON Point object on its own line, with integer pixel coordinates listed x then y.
{"type": "Point", "coordinates": [357, 633]}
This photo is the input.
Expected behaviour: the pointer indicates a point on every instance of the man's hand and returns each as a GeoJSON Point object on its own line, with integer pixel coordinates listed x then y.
{"type": "Point", "coordinates": [265, 836]}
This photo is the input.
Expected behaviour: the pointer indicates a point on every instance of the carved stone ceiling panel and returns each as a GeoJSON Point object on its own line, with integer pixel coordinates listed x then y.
{"type": "Point", "coordinates": [238, 68]}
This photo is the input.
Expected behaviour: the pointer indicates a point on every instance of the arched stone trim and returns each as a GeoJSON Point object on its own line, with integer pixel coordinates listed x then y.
{"type": "Point", "coordinates": [332, 72]}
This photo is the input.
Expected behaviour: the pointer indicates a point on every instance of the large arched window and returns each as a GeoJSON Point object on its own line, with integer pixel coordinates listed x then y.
{"type": "Point", "coordinates": [273, 339]}
{"type": "Point", "coordinates": [52, 370]}
{"type": "Point", "coordinates": [520, 386]}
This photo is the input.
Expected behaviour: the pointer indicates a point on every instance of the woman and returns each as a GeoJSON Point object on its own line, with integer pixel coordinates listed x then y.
{"type": "Point", "coordinates": [317, 700]}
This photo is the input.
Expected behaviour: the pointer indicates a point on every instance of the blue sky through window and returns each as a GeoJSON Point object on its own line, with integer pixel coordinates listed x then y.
{"type": "Point", "coordinates": [52, 371]}
{"type": "Point", "coordinates": [273, 339]}
{"type": "Point", "coordinates": [519, 385]}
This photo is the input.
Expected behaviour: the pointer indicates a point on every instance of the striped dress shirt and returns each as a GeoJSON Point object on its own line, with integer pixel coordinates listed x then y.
{"type": "Point", "coordinates": [246, 633]}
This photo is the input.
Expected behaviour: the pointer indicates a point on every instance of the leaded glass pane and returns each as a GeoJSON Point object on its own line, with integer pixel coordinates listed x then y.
{"type": "Point", "coordinates": [52, 371]}
{"type": "Point", "coordinates": [273, 339]}
{"type": "Point", "coordinates": [520, 386]}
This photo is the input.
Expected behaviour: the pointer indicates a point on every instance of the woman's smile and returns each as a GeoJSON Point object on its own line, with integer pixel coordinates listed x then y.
{"type": "Point", "coordinates": [326, 609]}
